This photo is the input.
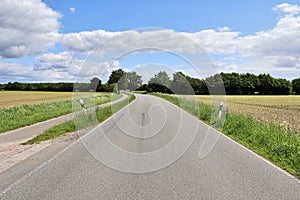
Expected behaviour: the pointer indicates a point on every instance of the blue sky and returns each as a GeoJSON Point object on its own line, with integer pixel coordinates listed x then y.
{"type": "Point", "coordinates": [49, 40]}
{"type": "Point", "coordinates": [189, 16]}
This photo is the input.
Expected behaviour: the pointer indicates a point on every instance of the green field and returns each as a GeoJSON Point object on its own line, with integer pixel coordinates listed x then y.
{"type": "Point", "coordinates": [81, 121]}
{"type": "Point", "coordinates": [24, 111]}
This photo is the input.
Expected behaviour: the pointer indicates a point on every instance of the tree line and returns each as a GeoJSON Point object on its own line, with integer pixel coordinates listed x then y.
{"type": "Point", "coordinates": [234, 84]}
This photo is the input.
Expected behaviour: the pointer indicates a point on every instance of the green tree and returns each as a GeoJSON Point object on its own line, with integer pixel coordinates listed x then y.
{"type": "Point", "coordinates": [159, 83]}
{"type": "Point", "coordinates": [267, 84]}
{"type": "Point", "coordinates": [115, 76]}
{"type": "Point", "coordinates": [296, 86]}
{"type": "Point", "coordinates": [134, 80]}
{"type": "Point", "coordinates": [180, 84]}
{"type": "Point", "coordinates": [232, 83]}
{"type": "Point", "coordinates": [283, 87]}
{"type": "Point", "coordinates": [249, 83]}
{"type": "Point", "coordinates": [95, 84]}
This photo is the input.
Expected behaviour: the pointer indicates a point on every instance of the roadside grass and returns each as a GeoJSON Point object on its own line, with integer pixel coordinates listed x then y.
{"type": "Point", "coordinates": [266, 139]}
{"type": "Point", "coordinates": [24, 115]}
{"type": "Point", "coordinates": [282, 111]}
{"type": "Point", "coordinates": [81, 121]}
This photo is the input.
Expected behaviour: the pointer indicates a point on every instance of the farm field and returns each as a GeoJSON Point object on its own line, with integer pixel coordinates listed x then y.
{"type": "Point", "coordinates": [17, 98]}
{"type": "Point", "coordinates": [282, 111]}
{"type": "Point", "coordinates": [26, 108]}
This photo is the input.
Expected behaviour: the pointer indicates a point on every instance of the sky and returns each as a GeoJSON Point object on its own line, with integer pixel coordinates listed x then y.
{"type": "Point", "coordinates": [75, 40]}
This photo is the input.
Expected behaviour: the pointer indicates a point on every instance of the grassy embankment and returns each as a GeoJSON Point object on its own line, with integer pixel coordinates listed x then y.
{"type": "Point", "coordinates": [81, 121]}
{"type": "Point", "coordinates": [29, 113]}
{"type": "Point", "coordinates": [280, 146]}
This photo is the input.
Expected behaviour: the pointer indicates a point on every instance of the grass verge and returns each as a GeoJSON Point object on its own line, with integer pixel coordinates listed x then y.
{"type": "Point", "coordinates": [81, 121]}
{"type": "Point", "coordinates": [267, 140]}
{"type": "Point", "coordinates": [19, 116]}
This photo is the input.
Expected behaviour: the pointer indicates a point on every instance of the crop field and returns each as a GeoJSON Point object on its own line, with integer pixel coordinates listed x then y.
{"type": "Point", "coordinates": [26, 108]}
{"type": "Point", "coordinates": [282, 111]}
{"type": "Point", "coordinates": [17, 98]}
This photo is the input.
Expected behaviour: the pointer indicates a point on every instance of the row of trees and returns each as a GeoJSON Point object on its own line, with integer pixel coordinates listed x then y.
{"type": "Point", "coordinates": [180, 83]}
{"type": "Point", "coordinates": [234, 84]}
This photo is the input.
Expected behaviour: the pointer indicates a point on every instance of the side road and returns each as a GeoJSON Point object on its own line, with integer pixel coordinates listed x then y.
{"type": "Point", "coordinates": [25, 133]}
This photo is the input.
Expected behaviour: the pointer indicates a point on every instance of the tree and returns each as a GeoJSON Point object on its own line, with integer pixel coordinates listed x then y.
{"type": "Point", "coordinates": [115, 76]}
{"type": "Point", "coordinates": [267, 84]}
{"type": "Point", "coordinates": [134, 80]}
{"type": "Point", "coordinates": [159, 83]}
{"type": "Point", "coordinates": [180, 84]}
{"type": "Point", "coordinates": [249, 83]}
{"type": "Point", "coordinates": [198, 85]}
{"type": "Point", "coordinates": [283, 87]}
{"type": "Point", "coordinates": [296, 86]}
{"type": "Point", "coordinates": [95, 84]}
{"type": "Point", "coordinates": [232, 83]}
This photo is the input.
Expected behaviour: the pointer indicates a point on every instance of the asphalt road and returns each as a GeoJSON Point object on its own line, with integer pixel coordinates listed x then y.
{"type": "Point", "coordinates": [144, 152]}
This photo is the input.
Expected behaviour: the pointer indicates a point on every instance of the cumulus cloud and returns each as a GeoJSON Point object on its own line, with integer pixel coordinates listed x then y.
{"type": "Point", "coordinates": [104, 42]}
{"type": "Point", "coordinates": [71, 65]}
{"type": "Point", "coordinates": [72, 10]}
{"type": "Point", "coordinates": [287, 8]}
{"type": "Point", "coordinates": [55, 61]}
{"type": "Point", "coordinates": [18, 72]}
{"type": "Point", "coordinates": [27, 27]}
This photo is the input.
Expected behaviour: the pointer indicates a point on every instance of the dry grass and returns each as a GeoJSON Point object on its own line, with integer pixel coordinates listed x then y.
{"type": "Point", "coordinates": [17, 98]}
{"type": "Point", "coordinates": [283, 111]}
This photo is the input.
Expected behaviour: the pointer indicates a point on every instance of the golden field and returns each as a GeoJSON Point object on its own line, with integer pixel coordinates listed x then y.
{"type": "Point", "coordinates": [283, 111]}
{"type": "Point", "coordinates": [17, 98]}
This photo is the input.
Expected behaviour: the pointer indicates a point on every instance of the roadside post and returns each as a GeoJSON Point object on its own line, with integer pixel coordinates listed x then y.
{"type": "Point", "coordinates": [82, 106]}
{"type": "Point", "coordinates": [222, 109]}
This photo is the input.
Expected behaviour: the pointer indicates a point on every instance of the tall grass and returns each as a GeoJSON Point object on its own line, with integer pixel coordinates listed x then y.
{"type": "Point", "coordinates": [19, 116]}
{"type": "Point", "coordinates": [268, 140]}
{"type": "Point", "coordinates": [81, 121]}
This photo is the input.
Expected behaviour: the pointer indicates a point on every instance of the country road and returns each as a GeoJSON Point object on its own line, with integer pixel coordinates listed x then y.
{"type": "Point", "coordinates": [148, 150]}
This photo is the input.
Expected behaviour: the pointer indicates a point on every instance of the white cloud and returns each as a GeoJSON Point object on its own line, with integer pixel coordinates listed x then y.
{"type": "Point", "coordinates": [27, 27]}
{"type": "Point", "coordinates": [51, 60]}
{"type": "Point", "coordinates": [104, 42]}
{"type": "Point", "coordinates": [72, 10]}
{"type": "Point", "coordinates": [287, 8]}
{"type": "Point", "coordinates": [11, 72]}
{"type": "Point", "coordinates": [72, 66]}
{"type": "Point", "coordinates": [223, 29]}
{"type": "Point", "coordinates": [217, 42]}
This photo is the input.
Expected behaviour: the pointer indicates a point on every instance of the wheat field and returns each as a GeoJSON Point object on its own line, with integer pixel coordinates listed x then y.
{"type": "Point", "coordinates": [283, 111]}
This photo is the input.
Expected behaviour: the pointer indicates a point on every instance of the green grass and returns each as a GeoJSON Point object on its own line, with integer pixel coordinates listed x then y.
{"type": "Point", "coordinates": [269, 141]}
{"type": "Point", "coordinates": [19, 116]}
{"type": "Point", "coordinates": [80, 121]}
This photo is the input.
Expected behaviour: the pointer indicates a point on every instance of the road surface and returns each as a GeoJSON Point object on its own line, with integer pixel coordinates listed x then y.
{"type": "Point", "coordinates": [147, 137]}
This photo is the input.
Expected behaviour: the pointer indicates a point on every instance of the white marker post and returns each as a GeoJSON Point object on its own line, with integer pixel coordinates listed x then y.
{"type": "Point", "coordinates": [82, 106]}
{"type": "Point", "coordinates": [222, 108]}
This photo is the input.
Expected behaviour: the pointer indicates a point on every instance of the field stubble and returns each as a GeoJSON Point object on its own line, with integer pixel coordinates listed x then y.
{"type": "Point", "coordinates": [282, 111]}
